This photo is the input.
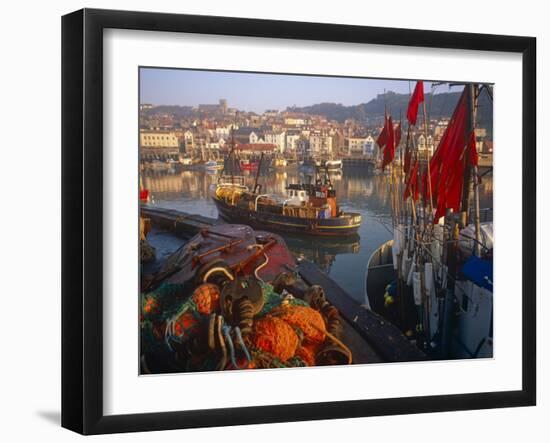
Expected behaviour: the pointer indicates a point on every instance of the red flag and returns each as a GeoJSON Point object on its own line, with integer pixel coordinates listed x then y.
{"type": "Point", "coordinates": [383, 137]}
{"type": "Point", "coordinates": [389, 150]}
{"type": "Point", "coordinates": [472, 151]}
{"type": "Point", "coordinates": [447, 163]}
{"type": "Point", "coordinates": [416, 98]}
{"type": "Point", "coordinates": [411, 188]}
{"type": "Point", "coordinates": [397, 134]}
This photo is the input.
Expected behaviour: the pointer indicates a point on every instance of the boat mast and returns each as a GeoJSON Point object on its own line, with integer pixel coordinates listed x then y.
{"type": "Point", "coordinates": [428, 160]}
{"type": "Point", "coordinates": [258, 172]}
{"type": "Point", "coordinates": [475, 93]}
{"type": "Point", "coordinates": [465, 205]}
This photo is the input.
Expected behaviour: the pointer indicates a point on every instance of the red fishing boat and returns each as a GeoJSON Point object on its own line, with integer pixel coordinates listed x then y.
{"type": "Point", "coordinates": [247, 165]}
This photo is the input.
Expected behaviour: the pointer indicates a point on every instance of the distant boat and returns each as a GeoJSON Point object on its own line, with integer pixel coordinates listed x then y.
{"type": "Point", "coordinates": [212, 165]}
{"type": "Point", "coordinates": [186, 161]}
{"type": "Point", "coordinates": [157, 165]}
{"type": "Point", "coordinates": [280, 162]}
{"type": "Point", "coordinates": [309, 166]}
{"type": "Point", "coordinates": [333, 165]}
{"type": "Point", "coordinates": [247, 165]}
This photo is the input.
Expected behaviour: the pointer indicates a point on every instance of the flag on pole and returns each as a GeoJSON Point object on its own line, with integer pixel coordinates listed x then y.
{"type": "Point", "coordinates": [397, 135]}
{"type": "Point", "coordinates": [416, 98]}
{"type": "Point", "coordinates": [389, 150]}
{"type": "Point", "coordinates": [411, 187]}
{"type": "Point", "coordinates": [448, 162]}
{"type": "Point", "coordinates": [383, 137]}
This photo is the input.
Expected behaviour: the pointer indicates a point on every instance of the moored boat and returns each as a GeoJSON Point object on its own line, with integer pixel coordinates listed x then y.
{"type": "Point", "coordinates": [247, 165]}
{"type": "Point", "coordinates": [457, 324]}
{"type": "Point", "coordinates": [212, 165]}
{"type": "Point", "coordinates": [306, 209]}
{"type": "Point", "coordinates": [333, 165]}
{"type": "Point", "coordinates": [434, 279]}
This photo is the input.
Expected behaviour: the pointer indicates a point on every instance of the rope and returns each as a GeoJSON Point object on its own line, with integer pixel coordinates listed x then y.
{"type": "Point", "coordinates": [217, 269]}
{"type": "Point", "coordinates": [223, 361]}
{"type": "Point", "coordinates": [227, 334]}
{"type": "Point", "coordinates": [338, 342]}
{"type": "Point", "coordinates": [242, 344]}
{"type": "Point", "coordinates": [263, 265]}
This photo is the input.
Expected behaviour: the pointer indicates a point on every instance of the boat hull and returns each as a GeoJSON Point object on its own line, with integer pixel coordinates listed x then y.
{"type": "Point", "coordinates": [284, 223]}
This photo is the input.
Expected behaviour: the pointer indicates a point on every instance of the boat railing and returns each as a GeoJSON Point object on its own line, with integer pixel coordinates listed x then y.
{"type": "Point", "coordinates": [261, 196]}
{"type": "Point", "coordinates": [231, 180]}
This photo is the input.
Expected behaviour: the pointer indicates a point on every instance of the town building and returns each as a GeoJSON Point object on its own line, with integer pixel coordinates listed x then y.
{"type": "Point", "coordinates": [277, 138]}
{"type": "Point", "coordinates": [158, 139]}
{"type": "Point", "coordinates": [158, 145]}
{"type": "Point", "coordinates": [320, 145]}
{"type": "Point", "coordinates": [291, 141]}
{"type": "Point", "coordinates": [425, 149]}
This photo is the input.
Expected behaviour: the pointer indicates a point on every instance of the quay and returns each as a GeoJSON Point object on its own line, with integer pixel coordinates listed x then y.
{"type": "Point", "coordinates": [179, 223]}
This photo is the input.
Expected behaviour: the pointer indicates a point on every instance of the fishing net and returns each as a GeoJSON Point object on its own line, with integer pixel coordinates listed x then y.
{"type": "Point", "coordinates": [191, 331]}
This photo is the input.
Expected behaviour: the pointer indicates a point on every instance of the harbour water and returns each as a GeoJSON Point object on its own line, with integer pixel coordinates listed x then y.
{"type": "Point", "coordinates": [345, 260]}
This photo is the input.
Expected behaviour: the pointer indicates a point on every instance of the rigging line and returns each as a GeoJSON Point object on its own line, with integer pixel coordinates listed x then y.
{"type": "Point", "coordinates": [422, 245]}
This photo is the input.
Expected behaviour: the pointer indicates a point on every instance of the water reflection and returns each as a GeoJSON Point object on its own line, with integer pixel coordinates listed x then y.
{"type": "Point", "coordinates": [344, 259]}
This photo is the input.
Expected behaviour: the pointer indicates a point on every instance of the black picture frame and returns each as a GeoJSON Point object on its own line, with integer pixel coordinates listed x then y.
{"type": "Point", "coordinates": [82, 217]}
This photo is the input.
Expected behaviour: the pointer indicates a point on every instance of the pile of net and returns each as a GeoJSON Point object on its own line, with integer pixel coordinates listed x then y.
{"type": "Point", "coordinates": [243, 324]}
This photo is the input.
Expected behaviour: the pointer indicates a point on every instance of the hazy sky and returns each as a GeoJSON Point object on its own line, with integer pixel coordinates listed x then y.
{"type": "Point", "coordinates": [258, 92]}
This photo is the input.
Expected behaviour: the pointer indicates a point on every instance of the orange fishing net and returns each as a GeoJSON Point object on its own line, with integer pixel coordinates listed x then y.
{"type": "Point", "coordinates": [186, 324]}
{"type": "Point", "coordinates": [307, 319]}
{"type": "Point", "coordinates": [307, 353]}
{"type": "Point", "coordinates": [207, 298]}
{"type": "Point", "coordinates": [275, 336]}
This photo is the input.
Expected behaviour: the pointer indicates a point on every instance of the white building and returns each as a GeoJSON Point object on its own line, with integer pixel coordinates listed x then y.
{"type": "Point", "coordinates": [356, 145]}
{"type": "Point", "coordinates": [223, 132]}
{"type": "Point", "coordinates": [369, 146]}
{"type": "Point", "coordinates": [276, 138]}
{"type": "Point", "coordinates": [425, 149]}
{"type": "Point", "coordinates": [291, 143]}
{"type": "Point", "coordinates": [320, 144]}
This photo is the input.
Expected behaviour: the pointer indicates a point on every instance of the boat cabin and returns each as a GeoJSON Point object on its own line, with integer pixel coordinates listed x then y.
{"type": "Point", "coordinates": [296, 196]}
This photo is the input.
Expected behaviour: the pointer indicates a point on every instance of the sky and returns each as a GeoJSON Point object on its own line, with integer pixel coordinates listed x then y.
{"type": "Point", "coordinates": [259, 92]}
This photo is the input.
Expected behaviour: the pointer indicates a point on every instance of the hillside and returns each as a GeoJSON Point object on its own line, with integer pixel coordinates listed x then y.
{"type": "Point", "coordinates": [438, 106]}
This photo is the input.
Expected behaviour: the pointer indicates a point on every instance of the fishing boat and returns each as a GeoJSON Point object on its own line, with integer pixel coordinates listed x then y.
{"type": "Point", "coordinates": [309, 165]}
{"type": "Point", "coordinates": [248, 165]}
{"type": "Point", "coordinates": [466, 332]}
{"type": "Point", "coordinates": [207, 300]}
{"type": "Point", "coordinates": [157, 165]}
{"type": "Point", "coordinates": [280, 163]}
{"type": "Point", "coordinates": [434, 279]}
{"type": "Point", "coordinates": [305, 209]}
{"type": "Point", "coordinates": [333, 165]}
{"type": "Point", "coordinates": [212, 165]}
{"type": "Point", "coordinates": [185, 161]}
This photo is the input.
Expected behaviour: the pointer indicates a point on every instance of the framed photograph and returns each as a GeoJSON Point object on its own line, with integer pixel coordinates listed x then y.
{"type": "Point", "coordinates": [270, 221]}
